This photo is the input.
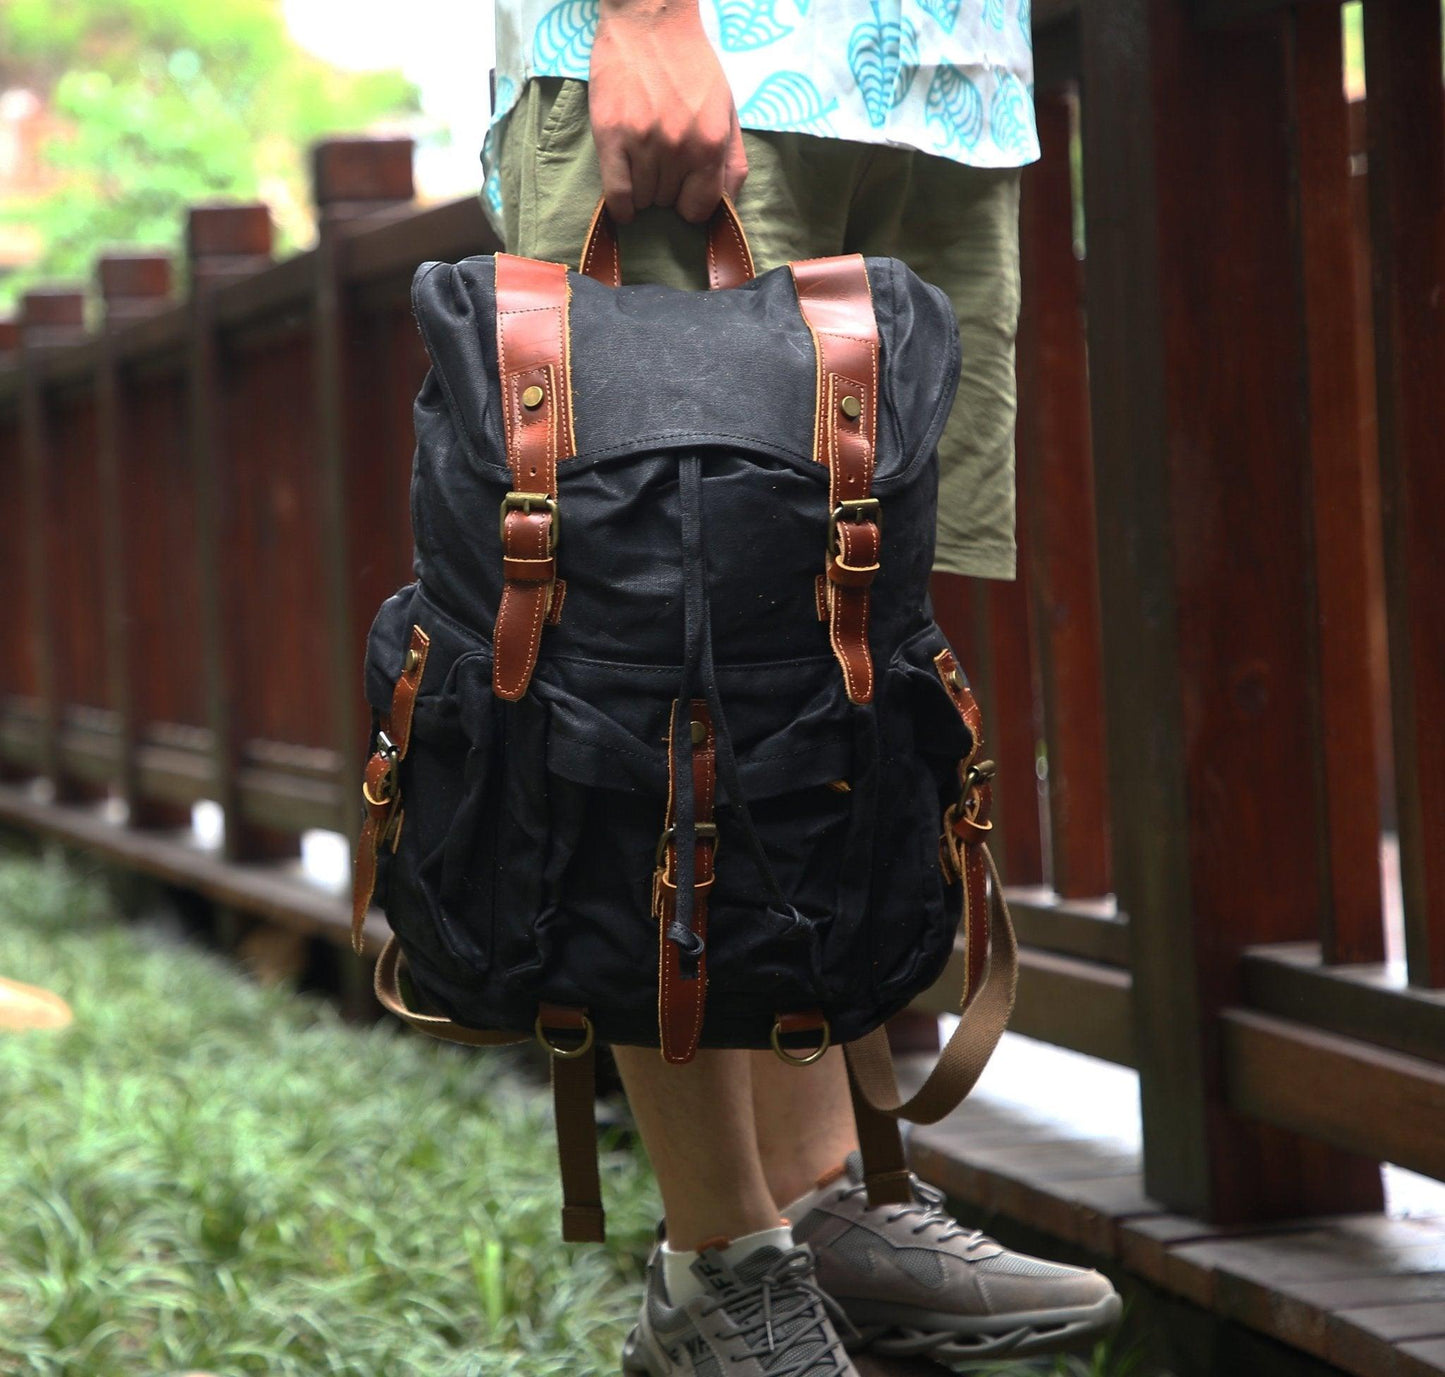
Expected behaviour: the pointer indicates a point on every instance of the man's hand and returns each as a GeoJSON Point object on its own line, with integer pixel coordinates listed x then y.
{"type": "Point", "coordinates": [662, 114]}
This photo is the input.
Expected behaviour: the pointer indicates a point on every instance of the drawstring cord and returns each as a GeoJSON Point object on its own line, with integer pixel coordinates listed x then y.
{"type": "Point", "coordinates": [698, 672]}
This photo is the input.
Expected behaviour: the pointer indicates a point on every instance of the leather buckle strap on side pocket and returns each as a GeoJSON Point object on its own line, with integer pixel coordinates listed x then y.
{"type": "Point", "coordinates": [381, 783]}
{"type": "Point", "coordinates": [682, 998]}
{"type": "Point", "coordinates": [990, 975]}
{"type": "Point", "coordinates": [836, 303]}
{"type": "Point", "coordinates": [532, 368]}
{"type": "Point", "coordinates": [966, 824]}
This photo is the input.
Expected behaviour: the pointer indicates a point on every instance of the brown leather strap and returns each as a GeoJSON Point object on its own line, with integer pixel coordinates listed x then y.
{"type": "Point", "coordinates": [532, 357]}
{"type": "Point", "coordinates": [836, 303]}
{"type": "Point", "coordinates": [381, 785]}
{"type": "Point", "coordinates": [982, 1024]}
{"type": "Point", "coordinates": [574, 1106]}
{"type": "Point", "coordinates": [387, 981]}
{"type": "Point", "coordinates": [682, 999]}
{"type": "Point", "coordinates": [880, 1144]}
{"type": "Point", "coordinates": [729, 259]}
{"type": "Point", "coordinates": [968, 822]}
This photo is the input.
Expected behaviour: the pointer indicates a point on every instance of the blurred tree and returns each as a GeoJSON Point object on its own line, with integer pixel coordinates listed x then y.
{"type": "Point", "coordinates": [165, 102]}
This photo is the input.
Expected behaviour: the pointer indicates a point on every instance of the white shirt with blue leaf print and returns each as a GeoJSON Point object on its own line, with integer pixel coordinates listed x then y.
{"type": "Point", "coordinates": [951, 77]}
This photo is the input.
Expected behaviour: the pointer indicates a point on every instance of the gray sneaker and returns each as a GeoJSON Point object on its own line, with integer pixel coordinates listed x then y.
{"type": "Point", "coordinates": [914, 1282]}
{"type": "Point", "coordinates": [765, 1317]}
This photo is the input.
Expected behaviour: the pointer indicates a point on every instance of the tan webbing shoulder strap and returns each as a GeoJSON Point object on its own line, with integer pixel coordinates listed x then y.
{"type": "Point", "coordinates": [837, 304]}
{"type": "Point", "coordinates": [532, 367]}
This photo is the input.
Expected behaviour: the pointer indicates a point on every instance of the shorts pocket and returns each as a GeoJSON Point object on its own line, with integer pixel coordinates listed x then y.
{"type": "Point", "coordinates": [565, 113]}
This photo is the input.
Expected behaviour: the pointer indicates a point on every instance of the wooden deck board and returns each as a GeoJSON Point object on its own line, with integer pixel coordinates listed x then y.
{"type": "Point", "coordinates": [1363, 1292]}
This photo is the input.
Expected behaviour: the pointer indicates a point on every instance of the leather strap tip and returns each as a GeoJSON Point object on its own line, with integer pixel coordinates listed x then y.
{"type": "Point", "coordinates": [584, 1224]}
{"type": "Point", "coordinates": [890, 1188]}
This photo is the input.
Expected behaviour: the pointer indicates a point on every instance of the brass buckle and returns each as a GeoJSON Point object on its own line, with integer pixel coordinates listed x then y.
{"type": "Point", "coordinates": [703, 831]}
{"type": "Point", "coordinates": [863, 509]}
{"type": "Point", "coordinates": [976, 777]}
{"type": "Point", "coordinates": [532, 502]}
{"type": "Point", "coordinates": [389, 797]}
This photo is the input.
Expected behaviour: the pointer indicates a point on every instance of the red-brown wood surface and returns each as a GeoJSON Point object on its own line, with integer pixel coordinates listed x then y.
{"type": "Point", "coordinates": [273, 573]}
{"type": "Point", "coordinates": [1202, 453]}
{"type": "Point", "coordinates": [76, 591]}
{"type": "Point", "coordinates": [1341, 476]}
{"type": "Point", "coordinates": [1056, 480]}
{"type": "Point", "coordinates": [1406, 124]}
{"type": "Point", "coordinates": [158, 504]}
{"type": "Point", "coordinates": [17, 666]}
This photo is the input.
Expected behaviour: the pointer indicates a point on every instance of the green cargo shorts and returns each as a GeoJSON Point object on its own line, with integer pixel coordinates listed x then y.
{"type": "Point", "coordinates": [807, 197]}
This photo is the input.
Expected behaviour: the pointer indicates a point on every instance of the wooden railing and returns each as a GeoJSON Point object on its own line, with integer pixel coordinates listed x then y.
{"type": "Point", "coordinates": [1231, 480]}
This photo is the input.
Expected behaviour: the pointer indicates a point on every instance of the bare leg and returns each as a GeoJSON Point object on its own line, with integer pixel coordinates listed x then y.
{"type": "Point", "coordinates": [696, 1123]}
{"type": "Point", "coordinates": [804, 1121]}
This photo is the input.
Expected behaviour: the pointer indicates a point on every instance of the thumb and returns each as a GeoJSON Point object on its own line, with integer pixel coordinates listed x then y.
{"type": "Point", "coordinates": [735, 164]}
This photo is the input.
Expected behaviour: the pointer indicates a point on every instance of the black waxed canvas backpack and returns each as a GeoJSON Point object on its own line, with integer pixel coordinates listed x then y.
{"type": "Point", "coordinates": [667, 748]}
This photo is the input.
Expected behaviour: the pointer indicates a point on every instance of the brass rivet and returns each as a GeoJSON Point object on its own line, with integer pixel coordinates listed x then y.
{"type": "Point", "coordinates": [413, 659]}
{"type": "Point", "coordinates": [532, 397]}
{"type": "Point", "coordinates": [699, 733]}
{"type": "Point", "coordinates": [851, 407]}
{"type": "Point", "coordinates": [955, 679]}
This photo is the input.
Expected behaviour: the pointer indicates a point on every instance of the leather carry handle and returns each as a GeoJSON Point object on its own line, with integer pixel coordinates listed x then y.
{"type": "Point", "coordinates": [729, 259]}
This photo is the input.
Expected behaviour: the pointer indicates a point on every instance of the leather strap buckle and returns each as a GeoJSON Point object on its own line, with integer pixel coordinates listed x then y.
{"type": "Point", "coordinates": [973, 780]}
{"type": "Point", "coordinates": [528, 502]}
{"type": "Point", "coordinates": [702, 831]}
{"type": "Point", "coordinates": [859, 510]}
{"type": "Point", "coordinates": [383, 796]}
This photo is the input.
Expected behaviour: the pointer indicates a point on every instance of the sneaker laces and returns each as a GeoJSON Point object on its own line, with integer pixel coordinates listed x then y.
{"type": "Point", "coordinates": [762, 1311]}
{"type": "Point", "coordinates": [928, 1207]}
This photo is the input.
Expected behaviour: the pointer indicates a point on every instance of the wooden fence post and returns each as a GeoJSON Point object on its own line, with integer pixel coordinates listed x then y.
{"type": "Point", "coordinates": [1405, 116]}
{"type": "Point", "coordinates": [1202, 489]}
{"type": "Point", "coordinates": [132, 286]}
{"type": "Point", "coordinates": [223, 243]}
{"type": "Point", "coordinates": [1351, 918]}
{"type": "Point", "coordinates": [1057, 501]}
{"type": "Point", "coordinates": [48, 319]}
{"type": "Point", "coordinates": [350, 178]}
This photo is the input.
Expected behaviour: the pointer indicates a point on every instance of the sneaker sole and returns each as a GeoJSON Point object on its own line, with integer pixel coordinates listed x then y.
{"type": "Point", "coordinates": [958, 1340]}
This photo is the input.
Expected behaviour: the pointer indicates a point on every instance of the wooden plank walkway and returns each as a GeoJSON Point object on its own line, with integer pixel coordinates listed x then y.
{"type": "Point", "coordinates": [1365, 1293]}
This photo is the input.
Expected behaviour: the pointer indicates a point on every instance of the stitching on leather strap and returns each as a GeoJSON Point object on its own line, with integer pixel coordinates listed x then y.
{"type": "Point", "coordinates": [532, 355]}
{"type": "Point", "coordinates": [836, 302]}
{"type": "Point", "coordinates": [678, 1040]}
{"type": "Point", "coordinates": [381, 787]}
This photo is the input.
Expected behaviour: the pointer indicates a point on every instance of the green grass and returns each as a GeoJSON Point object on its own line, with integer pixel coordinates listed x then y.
{"type": "Point", "coordinates": [204, 1175]}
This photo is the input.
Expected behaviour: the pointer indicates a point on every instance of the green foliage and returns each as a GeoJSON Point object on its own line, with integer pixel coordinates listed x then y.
{"type": "Point", "coordinates": [166, 102]}
{"type": "Point", "coordinates": [201, 1174]}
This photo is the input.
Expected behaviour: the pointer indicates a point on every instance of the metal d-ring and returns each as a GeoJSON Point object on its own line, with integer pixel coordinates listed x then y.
{"type": "Point", "coordinates": [566, 1053]}
{"type": "Point", "coordinates": [815, 1055]}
